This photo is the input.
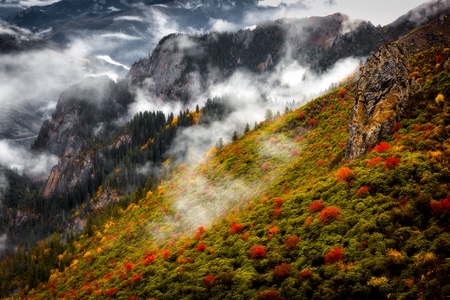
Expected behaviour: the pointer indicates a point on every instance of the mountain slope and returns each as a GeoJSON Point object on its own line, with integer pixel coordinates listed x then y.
{"type": "Point", "coordinates": [280, 213]}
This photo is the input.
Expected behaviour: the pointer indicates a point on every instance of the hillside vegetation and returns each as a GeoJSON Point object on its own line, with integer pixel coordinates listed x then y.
{"type": "Point", "coordinates": [277, 214]}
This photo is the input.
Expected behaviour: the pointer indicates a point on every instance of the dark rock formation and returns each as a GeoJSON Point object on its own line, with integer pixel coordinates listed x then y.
{"type": "Point", "coordinates": [83, 111]}
{"type": "Point", "coordinates": [383, 93]}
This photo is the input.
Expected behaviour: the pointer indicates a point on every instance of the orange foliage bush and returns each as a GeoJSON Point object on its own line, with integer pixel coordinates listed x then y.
{"type": "Point", "coordinates": [257, 251]}
{"type": "Point", "coordinates": [282, 271]}
{"type": "Point", "coordinates": [329, 214]}
{"type": "Point", "coordinates": [373, 161]}
{"type": "Point", "coordinates": [334, 256]}
{"type": "Point", "coordinates": [312, 122]}
{"type": "Point", "coordinates": [305, 274]}
{"type": "Point", "coordinates": [291, 243]}
{"type": "Point", "coordinates": [440, 207]}
{"type": "Point", "coordinates": [111, 292]}
{"type": "Point", "coordinates": [208, 281]}
{"type": "Point", "coordinates": [344, 174]}
{"type": "Point", "coordinates": [391, 163]}
{"type": "Point", "coordinates": [236, 228]}
{"type": "Point", "coordinates": [201, 247]}
{"type": "Point", "coordinates": [382, 147]}
{"type": "Point", "coordinates": [308, 221]}
{"type": "Point", "coordinates": [269, 295]}
{"type": "Point", "coordinates": [148, 259]}
{"type": "Point", "coordinates": [363, 191]}
{"type": "Point", "coordinates": [315, 206]}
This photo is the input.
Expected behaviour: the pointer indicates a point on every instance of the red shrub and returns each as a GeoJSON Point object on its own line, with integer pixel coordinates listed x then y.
{"type": "Point", "coordinates": [272, 140]}
{"type": "Point", "coordinates": [200, 231]}
{"type": "Point", "coordinates": [148, 259]}
{"type": "Point", "coordinates": [344, 174]}
{"type": "Point", "coordinates": [342, 93]}
{"type": "Point", "coordinates": [265, 166]}
{"type": "Point", "coordinates": [294, 152]}
{"type": "Point", "coordinates": [301, 115]}
{"type": "Point", "coordinates": [136, 277]}
{"type": "Point", "coordinates": [373, 161]}
{"type": "Point", "coordinates": [315, 206]}
{"type": "Point", "coordinates": [277, 201]}
{"type": "Point", "coordinates": [320, 163]}
{"type": "Point", "coordinates": [391, 163]}
{"type": "Point", "coordinates": [208, 281]}
{"type": "Point", "coordinates": [291, 243]}
{"type": "Point", "coordinates": [201, 247]}
{"type": "Point", "coordinates": [166, 254]}
{"type": "Point", "coordinates": [305, 274]}
{"type": "Point", "coordinates": [236, 228]}
{"type": "Point", "coordinates": [111, 292]}
{"type": "Point", "coordinates": [269, 295]}
{"type": "Point", "coordinates": [329, 214]}
{"type": "Point", "coordinates": [276, 212]}
{"type": "Point", "coordinates": [440, 207]}
{"type": "Point", "coordinates": [334, 256]}
{"type": "Point", "coordinates": [245, 236]}
{"type": "Point", "coordinates": [439, 58]}
{"type": "Point", "coordinates": [312, 122]}
{"type": "Point", "coordinates": [308, 221]}
{"type": "Point", "coordinates": [363, 191]}
{"type": "Point", "coordinates": [299, 138]}
{"type": "Point", "coordinates": [282, 271]}
{"type": "Point", "coordinates": [257, 251]}
{"type": "Point", "coordinates": [128, 266]}
{"type": "Point", "coordinates": [382, 147]}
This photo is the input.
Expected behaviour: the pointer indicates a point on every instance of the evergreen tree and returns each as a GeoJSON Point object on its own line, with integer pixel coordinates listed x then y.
{"type": "Point", "coordinates": [247, 128]}
{"type": "Point", "coordinates": [235, 136]}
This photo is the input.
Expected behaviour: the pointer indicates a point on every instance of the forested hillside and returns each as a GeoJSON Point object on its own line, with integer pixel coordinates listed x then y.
{"type": "Point", "coordinates": [277, 214]}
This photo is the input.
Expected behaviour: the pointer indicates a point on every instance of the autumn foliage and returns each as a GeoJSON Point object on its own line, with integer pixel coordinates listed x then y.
{"type": "Point", "coordinates": [329, 214]}
{"type": "Point", "coordinates": [257, 251]}
{"type": "Point", "coordinates": [236, 228]}
{"type": "Point", "coordinates": [291, 243]}
{"type": "Point", "coordinates": [382, 147]}
{"type": "Point", "coordinates": [209, 281]}
{"type": "Point", "coordinates": [282, 271]}
{"type": "Point", "coordinates": [315, 206]}
{"type": "Point", "coordinates": [391, 163]}
{"type": "Point", "coordinates": [335, 255]}
{"type": "Point", "coordinates": [373, 162]}
{"type": "Point", "coordinates": [363, 191]}
{"type": "Point", "coordinates": [344, 174]}
{"type": "Point", "coordinates": [440, 207]}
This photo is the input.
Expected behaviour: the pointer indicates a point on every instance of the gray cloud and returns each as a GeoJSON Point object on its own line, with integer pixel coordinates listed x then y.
{"type": "Point", "coordinates": [35, 165]}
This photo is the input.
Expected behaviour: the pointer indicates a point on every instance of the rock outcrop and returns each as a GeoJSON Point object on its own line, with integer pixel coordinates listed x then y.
{"type": "Point", "coordinates": [181, 67]}
{"type": "Point", "coordinates": [383, 93]}
{"type": "Point", "coordinates": [83, 111]}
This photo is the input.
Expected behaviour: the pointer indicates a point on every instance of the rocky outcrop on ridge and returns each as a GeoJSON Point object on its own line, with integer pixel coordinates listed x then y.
{"type": "Point", "coordinates": [383, 93]}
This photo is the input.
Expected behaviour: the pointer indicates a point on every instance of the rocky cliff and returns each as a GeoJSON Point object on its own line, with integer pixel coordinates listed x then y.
{"type": "Point", "coordinates": [385, 88]}
{"type": "Point", "coordinates": [83, 111]}
{"type": "Point", "coordinates": [86, 110]}
{"type": "Point", "coordinates": [383, 93]}
{"type": "Point", "coordinates": [181, 66]}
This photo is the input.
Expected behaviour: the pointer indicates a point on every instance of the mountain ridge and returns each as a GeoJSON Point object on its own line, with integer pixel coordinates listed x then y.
{"type": "Point", "coordinates": [373, 226]}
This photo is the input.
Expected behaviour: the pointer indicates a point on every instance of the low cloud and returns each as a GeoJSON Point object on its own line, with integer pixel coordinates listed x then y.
{"type": "Point", "coordinates": [32, 164]}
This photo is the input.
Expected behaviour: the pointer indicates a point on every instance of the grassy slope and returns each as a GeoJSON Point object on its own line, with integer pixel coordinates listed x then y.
{"type": "Point", "coordinates": [192, 237]}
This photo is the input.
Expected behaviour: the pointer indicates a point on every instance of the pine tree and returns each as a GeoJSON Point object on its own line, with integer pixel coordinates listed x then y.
{"type": "Point", "coordinates": [235, 136]}
{"type": "Point", "coordinates": [247, 128]}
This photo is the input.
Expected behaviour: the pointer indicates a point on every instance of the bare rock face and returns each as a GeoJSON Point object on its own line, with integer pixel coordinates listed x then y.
{"type": "Point", "coordinates": [383, 93]}
{"type": "Point", "coordinates": [72, 172]}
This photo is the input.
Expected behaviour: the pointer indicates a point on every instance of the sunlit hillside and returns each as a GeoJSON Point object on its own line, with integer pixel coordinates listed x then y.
{"type": "Point", "coordinates": [277, 214]}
